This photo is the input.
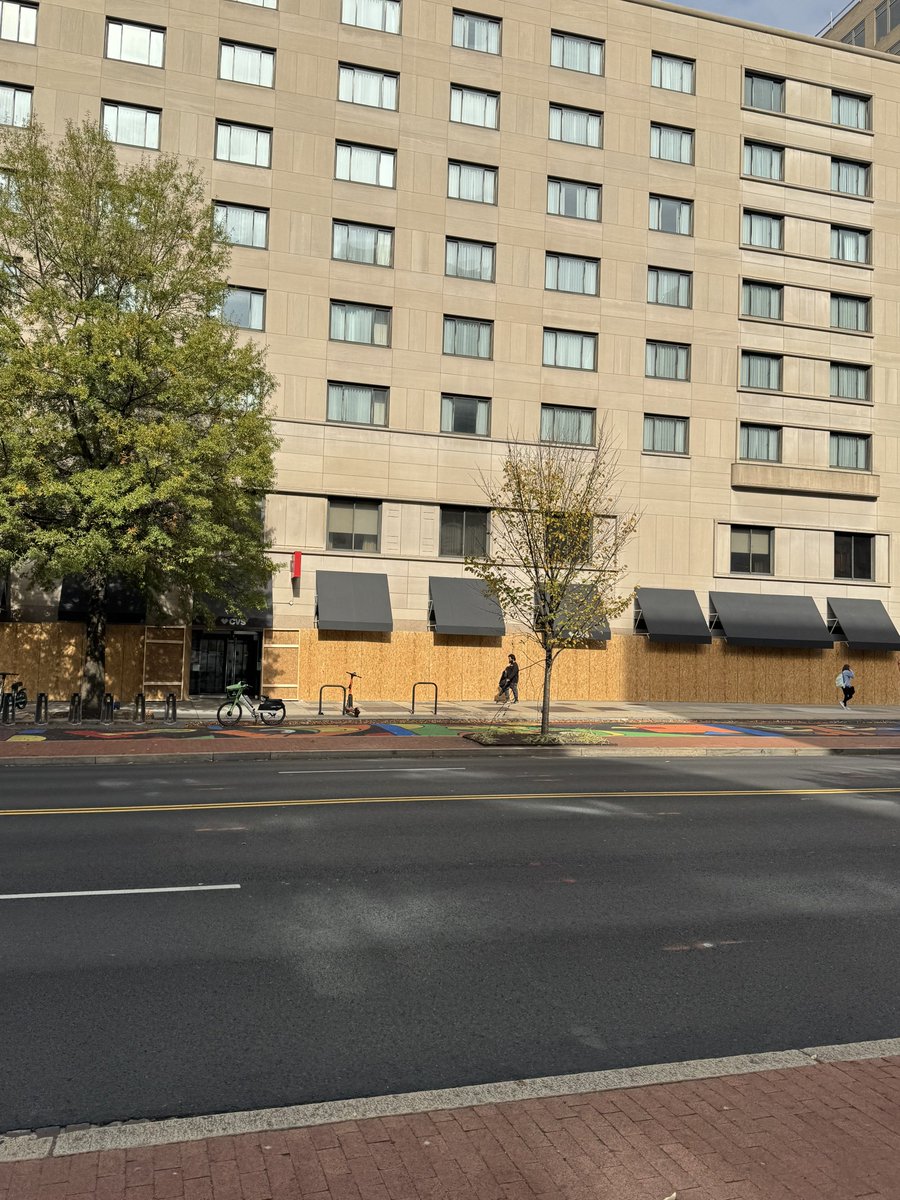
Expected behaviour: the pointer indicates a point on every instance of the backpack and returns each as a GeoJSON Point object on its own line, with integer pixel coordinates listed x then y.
{"type": "Point", "coordinates": [839, 680]}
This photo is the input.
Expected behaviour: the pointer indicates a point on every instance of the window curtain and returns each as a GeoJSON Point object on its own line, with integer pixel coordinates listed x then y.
{"type": "Point", "coordinates": [374, 88]}
{"type": "Point", "coordinates": [676, 74]}
{"type": "Point", "coordinates": [243, 226]}
{"type": "Point", "coordinates": [573, 425]}
{"type": "Point", "coordinates": [764, 93]}
{"type": "Point", "coordinates": [372, 14]}
{"type": "Point", "coordinates": [670, 216]}
{"type": "Point", "coordinates": [760, 443]}
{"type": "Point", "coordinates": [759, 229]}
{"type": "Point", "coordinates": [849, 312]}
{"type": "Point", "coordinates": [667, 435]}
{"type": "Point", "coordinates": [669, 287]}
{"type": "Point", "coordinates": [465, 414]}
{"type": "Point", "coordinates": [468, 182]}
{"type": "Point", "coordinates": [851, 178]}
{"type": "Point", "coordinates": [761, 371]}
{"type": "Point", "coordinates": [849, 245]}
{"type": "Point", "coordinates": [674, 145]}
{"type": "Point", "coordinates": [357, 404]}
{"type": "Point", "coordinates": [471, 339]}
{"type": "Point", "coordinates": [849, 382]}
{"type": "Point", "coordinates": [473, 107]}
{"type": "Point", "coordinates": [850, 111]}
{"type": "Point", "coordinates": [359, 323]}
{"type": "Point", "coordinates": [666, 360]}
{"type": "Point", "coordinates": [762, 300]}
{"type": "Point", "coordinates": [569, 350]}
{"type": "Point", "coordinates": [15, 106]}
{"type": "Point", "coordinates": [363, 244]}
{"type": "Point", "coordinates": [470, 260]}
{"type": "Point", "coordinates": [574, 125]}
{"type": "Point", "coordinates": [566, 273]}
{"type": "Point", "coordinates": [576, 54]}
{"type": "Point", "coordinates": [850, 451]}
{"type": "Point", "coordinates": [243, 308]}
{"type": "Point", "coordinates": [247, 65]}
{"type": "Point", "coordinates": [573, 200]}
{"type": "Point", "coordinates": [476, 33]}
{"type": "Point", "coordinates": [763, 162]}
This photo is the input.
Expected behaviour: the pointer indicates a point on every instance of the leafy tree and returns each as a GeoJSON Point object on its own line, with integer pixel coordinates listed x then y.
{"type": "Point", "coordinates": [134, 440]}
{"type": "Point", "coordinates": [557, 535]}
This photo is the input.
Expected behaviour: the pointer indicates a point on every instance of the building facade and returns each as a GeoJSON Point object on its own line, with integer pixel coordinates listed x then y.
{"type": "Point", "coordinates": [454, 226]}
{"type": "Point", "coordinates": [871, 23]}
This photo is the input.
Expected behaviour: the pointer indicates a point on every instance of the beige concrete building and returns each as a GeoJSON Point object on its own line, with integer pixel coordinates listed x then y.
{"type": "Point", "coordinates": [871, 23]}
{"type": "Point", "coordinates": [458, 225]}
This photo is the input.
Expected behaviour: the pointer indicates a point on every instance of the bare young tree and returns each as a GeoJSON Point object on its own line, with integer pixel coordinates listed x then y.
{"type": "Point", "coordinates": [557, 536]}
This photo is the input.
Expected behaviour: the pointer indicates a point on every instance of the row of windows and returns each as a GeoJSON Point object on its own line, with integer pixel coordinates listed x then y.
{"type": "Point", "coordinates": [752, 553]}
{"type": "Point", "coordinates": [756, 443]}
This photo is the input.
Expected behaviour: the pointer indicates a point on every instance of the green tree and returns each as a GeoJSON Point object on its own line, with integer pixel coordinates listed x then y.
{"type": "Point", "coordinates": [134, 438]}
{"type": "Point", "coordinates": [557, 536]}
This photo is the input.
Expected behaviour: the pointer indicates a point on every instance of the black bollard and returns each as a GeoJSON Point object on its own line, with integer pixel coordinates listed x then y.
{"type": "Point", "coordinates": [171, 716]}
{"type": "Point", "coordinates": [75, 709]}
{"type": "Point", "coordinates": [106, 709]}
{"type": "Point", "coordinates": [40, 709]}
{"type": "Point", "coordinates": [8, 709]}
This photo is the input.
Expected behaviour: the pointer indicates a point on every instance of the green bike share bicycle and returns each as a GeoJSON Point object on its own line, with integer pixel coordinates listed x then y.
{"type": "Point", "coordinates": [269, 712]}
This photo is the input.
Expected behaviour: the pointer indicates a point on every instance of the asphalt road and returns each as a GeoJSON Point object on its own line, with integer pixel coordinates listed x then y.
{"type": "Point", "coordinates": [377, 947]}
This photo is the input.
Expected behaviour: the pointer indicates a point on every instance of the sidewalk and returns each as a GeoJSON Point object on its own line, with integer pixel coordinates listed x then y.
{"type": "Point", "coordinates": [828, 1131]}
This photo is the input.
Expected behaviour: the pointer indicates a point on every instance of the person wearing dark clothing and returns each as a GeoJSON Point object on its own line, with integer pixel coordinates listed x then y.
{"type": "Point", "coordinates": [509, 681]}
{"type": "Point", "coordinates": [846, 678]}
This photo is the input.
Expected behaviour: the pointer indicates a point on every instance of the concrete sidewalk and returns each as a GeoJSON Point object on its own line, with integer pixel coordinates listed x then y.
{"type": "Point", "coordinates": [825, 1131]}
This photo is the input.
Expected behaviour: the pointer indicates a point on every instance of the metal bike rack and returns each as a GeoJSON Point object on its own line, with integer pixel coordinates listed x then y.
{"type": "Point", "coordinates": [8, 709]}
{"type": "Point", "coordinates": [424, 683]}
{"type": "Point", "coordinates": [41, 709]}
{"type": "Point", "coordinates": [340, 687]}
{"type": "Point", "coordinates": [75, 709]}
{"type": "Point", "coordinates": [140, 709]}
{"type": "Point", "coordinates": [171, 714]}
{"type": "Point", "coordinates": [106, 709]}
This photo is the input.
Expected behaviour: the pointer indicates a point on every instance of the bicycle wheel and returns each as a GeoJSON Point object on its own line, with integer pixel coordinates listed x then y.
{"type": "Point", "coordinates": [229, 713]}
{"type": "Point", "coordinates": [271, 716]}
{"type": "Point", "coordinates": [21, 698]}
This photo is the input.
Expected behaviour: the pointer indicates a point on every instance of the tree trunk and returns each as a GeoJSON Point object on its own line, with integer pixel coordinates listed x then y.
{"type": "Point", "coordinates": [545, 703]}
{"type": "Point", "coordinates": [93, 682]}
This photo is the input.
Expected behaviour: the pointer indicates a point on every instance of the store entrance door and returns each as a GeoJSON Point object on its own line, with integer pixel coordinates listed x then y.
{"type": "Point", "coordinates": [220, 658]}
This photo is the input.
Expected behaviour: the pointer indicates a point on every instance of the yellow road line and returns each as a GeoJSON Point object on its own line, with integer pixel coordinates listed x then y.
{"type": "Point", "coordinates": [636, 795]}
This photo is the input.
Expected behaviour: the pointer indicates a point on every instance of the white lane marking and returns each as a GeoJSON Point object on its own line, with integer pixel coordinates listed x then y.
{"type": "Point", "coordinates": [369, 770]}
{"type": "Point", "coordinates": [198, 887]}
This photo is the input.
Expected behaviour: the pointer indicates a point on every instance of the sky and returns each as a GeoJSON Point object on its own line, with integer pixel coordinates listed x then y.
{"type": "Point", "coordinates": [802, 16]}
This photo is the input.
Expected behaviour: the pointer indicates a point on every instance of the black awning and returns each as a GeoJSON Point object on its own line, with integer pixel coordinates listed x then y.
{"type": "Point", "coordinates": [751, 619]}
{"type": "Point", "coordinates": [353, 601]}
{"type": "Point", "coordinates": [464, 608]}
{"type": "Point", "coordinates": [570, 605]}
{"type": "Point", "coordinates": [670, 615]}
{"type": "Point", "coordinates": [863, 624]}
{"type": "Point", "coordinates": [125, 603]}
{"type": "Point", "coordinates": [251, 618]}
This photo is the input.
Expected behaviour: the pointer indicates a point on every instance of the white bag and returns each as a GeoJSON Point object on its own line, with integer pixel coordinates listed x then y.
{"type": "Point", "coordinates": [839, 680]}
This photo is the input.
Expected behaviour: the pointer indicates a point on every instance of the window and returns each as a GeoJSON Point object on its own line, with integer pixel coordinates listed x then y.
{"type": "Point", "coordinates": [850, 312]}
{"type": "Point", "coordinates": [370, 244]}
{"type": "Point", "coordinates": [131, 126]}
{"type": "Point", "coordinates": [856, 36]}
{"type": "Point", "coordinates": [850, 451]}
{"type": "Point", "coordinates": [244, 308]}
{"type": "Point", "coordinates": [850, 178]}
{"type": "Point", "coordinates": [357, 404]}
{"type": "Point", "coordinates": [849, 245]}
{"type": "Point", "coordinates": [372, 14]}
{"type": "Point", "coordinates": [135, 43]}
{"type": "Point", "coordinates": [468, 181]}
{"type": "Point", "coordinates": [364, 164]}
{"type": "Point", "coordinates": [765, 300]}
{"type": "Point", "coordinates": [471, 106]}
{"type": "Point", "coordinates": [563, 348]}
{"type": "Point", "coordinates": [665, 435]}
{"type": "Point", "coordinates": [581, 201]}
{"type": "Point", "coordinates": [751, 550]}
{"type": "Point", "coordinates": [470, 260]}
{"type": "Point", "coordinates": [667, 360]}
{"type": "Point", "coordinates": [246, 64]}
{"type": "Point", "coordinates": [850, 111]}
{"type": "Point", "coordinates": [670, 215]}
{"type": "Point", "coordinates": [470, 415]}
{"type": "Point", "coordinates": [573, 53]}
{"type": "Point", "coordinates": [464, 532]}
{"type": "Point", "coordinates": [573, 426]}
{"type": "Point", "coordinates": [763, 91]}
{"type": "Point", "coordinates": [363, 85]}
{"type": "Point", "coordinates": [849, 381]}
{"type": "Point", "coordinates": [672, 144]}
{"type": "Point", "coordinates": [762, 161]}
{"type": "Point", "coordinates": [354, 525]}
{"type": "Point", "coordinates": [18, 22]}
{"type": "Point", "coordinates": [467, 337]}
{"type": "Point", "coordinates": [760, 443]}
{"type": "Point", "coordinates": [854, 555]}
{"type": "Point", "coordinates": [887, 17]}
{"type": "Point", "coordinates": [579, 126]}
{"type": "Point", "coordinates": [242, 225]}
{"type": "Point", "coordinates": [15, 105]}
{"type": "Point", "coordinates": [669, 287]}
{"type": "Point", "coordinates": [673, 74]}
{"type": "Point", "coordinates": [474, 32]}
{"type": "Point", "coordinates": [571, 273]}
{"type": "Point", "coordinates": [363, 323]}
{"type": "Point", "coordinates": [260, 3]}
{"type": "Point", "coordinates": [761, 371]}
{"type": "Point", "coordinates": [243, 144]}
{"type": "Point", "coordinates": [763, 229]}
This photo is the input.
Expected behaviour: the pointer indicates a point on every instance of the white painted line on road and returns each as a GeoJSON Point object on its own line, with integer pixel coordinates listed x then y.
{"type": "Point", "coordinates": [369, 770]}
{"type": "Point", "coordinates": [197, 887]}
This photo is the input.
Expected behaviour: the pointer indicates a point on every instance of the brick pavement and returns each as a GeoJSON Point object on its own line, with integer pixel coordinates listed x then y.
{"type": "Point", "coordinates": [830, 1131]}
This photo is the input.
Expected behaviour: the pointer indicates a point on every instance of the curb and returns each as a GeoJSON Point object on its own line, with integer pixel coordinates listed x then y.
{"type": "Point", "coordinates": [79, 1140]}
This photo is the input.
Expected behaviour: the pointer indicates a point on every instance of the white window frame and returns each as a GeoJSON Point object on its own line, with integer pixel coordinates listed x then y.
{"type": "Point", "coordinates": [468, 28]}
{"type": "Point", "coordinates": [485, 252]}
{"type": "Point", "coordinates": [18, 22]}
{"type": "Point", "coordinates": [116, 33]}
{"type": "Point", "coordinates": [456, 177]}
{"type": "Point", "coordinates": [591, 199]}
{"type": "Point", "coordinates": [683, 282]}
{"type": "Point", "coordinates": [338, 395]}
{"type": "Point", "coordinates": [355, 83]}
{"type": "Point", "coordinates": [382, 15]}
{"type": "Point", "coordinates": [16, 103]}
{"type": "Point", "coordinates": [584, 125]}
{"type": "Point", "coordinates": [563, 267]}
{"type": "Point", "coordinates": [662, 137]}
{"type": "Point", "coordinates": [658, 427]}
{"type": "Point", "coordinates": [381, 238]}
{"type": "Point", "coordinates": [574, 46]}
{"type": "Point", "coordinates": [224, 137]}
{"type": "Point", "coordinates": [258, 219]}
{"type": "Point", "coordinates": [483, 331]}
{"type": "Point", "coordinates": [350, 157]}
{"type": "Point", "coordinates": [257, 308]}
{"type": "Point", "coordinates": [554, 339]}
{"type": "Point", "coordinates": [474, 106]}
{"type": "Point", "coordinates": [111, 111]}
{"type": "Point", "coordinates": [240, 62]}
{"type": "Point", "coordinates": [675, 69]}
{"type": "Point", "coordinates": [657, 202]}
{"type": "Point", "coordinates": [382, 317]}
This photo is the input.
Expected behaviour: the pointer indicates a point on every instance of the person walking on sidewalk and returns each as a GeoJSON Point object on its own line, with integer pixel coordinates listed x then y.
{"type": "Point", "coordinates": [845, 682]}
{"type": "Point", "coordinates": [509, 682]}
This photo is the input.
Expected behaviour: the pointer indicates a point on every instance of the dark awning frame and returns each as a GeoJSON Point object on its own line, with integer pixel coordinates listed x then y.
{"type": "Point", "coordinates": [778, 622]}
{"type": "Point", "coordinates": [125, 603]}
{"type": "Point", "coordinates": [462, 608]}
{"type": "Point", "coordinates": [353, 602]}
{"type": "Point", "coordinates": [599, 633]}
{"type": "Point", "coordinates": [671, 615]}
{"type": "Point", "coordinates": [862, 624]}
